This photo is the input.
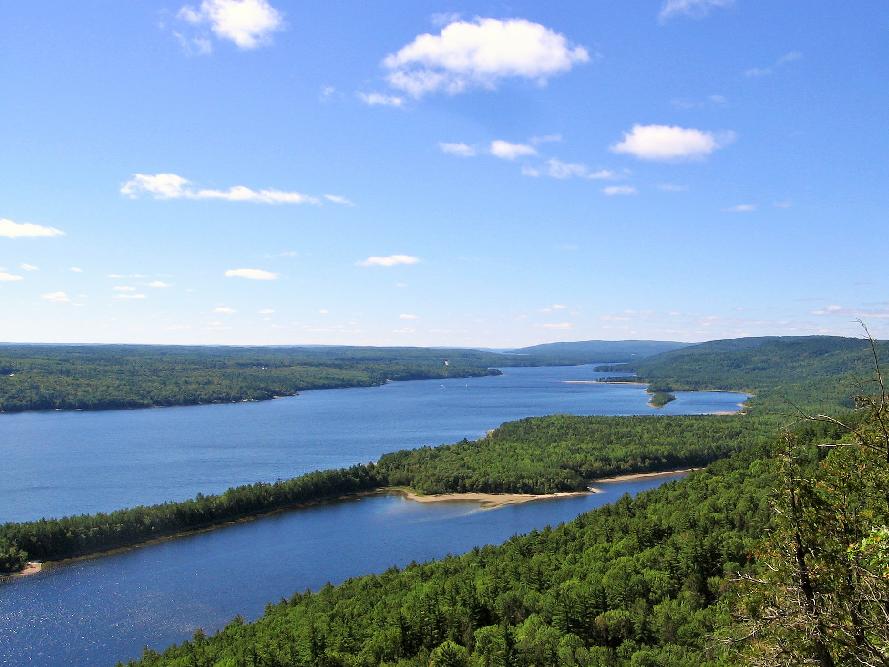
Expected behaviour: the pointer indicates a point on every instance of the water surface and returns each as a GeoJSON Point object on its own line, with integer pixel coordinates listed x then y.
{"type": "Point", "coordinates": [59, 463]}
{"type": "Point", "coordinates": [99, 611]}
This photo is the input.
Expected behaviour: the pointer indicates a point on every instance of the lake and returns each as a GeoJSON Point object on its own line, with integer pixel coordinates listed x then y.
{"type": "Point", "coordinates": [99, 611]}
{"type": "Point", "coordinates": [106, 609]}
{"type": "Point", "coordinates": [58, 463]}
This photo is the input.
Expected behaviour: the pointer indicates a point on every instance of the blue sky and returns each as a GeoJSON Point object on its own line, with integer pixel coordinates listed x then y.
{"type": "Point", "coordinates": [441, 173]}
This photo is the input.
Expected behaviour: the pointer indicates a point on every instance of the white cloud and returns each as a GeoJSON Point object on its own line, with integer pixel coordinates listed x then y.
{"type": "Point", "coordinates": [267, 311]}
{"type": "Point", "coordinates": [339, 199]}
{"type": "Point", "coordinates": [247, 23]}
{"type": "Point", "coordinates": [546, 139]}
{"type": "Point", "coordinates": [408, 316]}
{"type": "Point", "coordinates": [558, 325]}
{"type": "Point", "coordinates": [130, 296]}
{"type": "Point", "coordinates": [9, 277]}
{"type": "Point", "coordinates": [389, 260]}
{"type": "Point", "coordinates": [558, 169]}
{"type": "Point", "coordinates": [740, 208]}
{"type": "Point", "coordinates": [381, 100]}
{"type": "Point", "coordinates": [159, 284]}
{"type": "Point", "coordinates": [670, 142]}
{"type": "Point", "coordinates": [528, 170]}
{"type": "Point", "coordinates": [787, 58]}
{"type": "Point", "coordinates": [224, 310]}
{"type": "Point", "coordinates": [21, 230]}
{"type": "Point", "coordinates": [123, 288]}
{"type": "Point", "coordinates": [693, 8]}
{"type": "Point", "coordinates": [75, 269]}
{"type": "Point", "coordinates": [24, 266]}
{"type": "Point", "coordinates": [174, 186]}
{"type": "Point", "coordinates": [251, 274]}
{"type": "Point", "coordinates": [324, 311]}
{"type": "Point", "coordinates": [617, 190]}
{"type": "Point", "coordinates": [459, 149]}
{"type": "Point", "coordinates": [56, 297]}
{"type": "Point", "coordinates": [479, 54]}
{"type": "Point", "coordinates": [671, 187]}
{"type": "Point", "coordinates": [507, 151]}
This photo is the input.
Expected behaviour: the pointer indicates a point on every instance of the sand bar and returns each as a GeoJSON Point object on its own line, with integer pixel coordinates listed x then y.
{"type": "Point", "coordinates": [486, 500]}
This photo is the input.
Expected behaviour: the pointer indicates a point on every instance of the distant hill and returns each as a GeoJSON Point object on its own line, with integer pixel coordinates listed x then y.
{"type": "Point", "coordinates": [781, 368]}
{"type": "Point", "coordinates": [587, 351]}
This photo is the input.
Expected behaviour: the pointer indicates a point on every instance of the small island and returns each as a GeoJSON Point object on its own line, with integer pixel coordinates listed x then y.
{"type": "Point", "coordinates": [660, 398]}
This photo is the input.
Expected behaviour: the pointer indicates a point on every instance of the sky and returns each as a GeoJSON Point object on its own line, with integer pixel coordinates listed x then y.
{"type": "Point", "coordinates": [442, 173]}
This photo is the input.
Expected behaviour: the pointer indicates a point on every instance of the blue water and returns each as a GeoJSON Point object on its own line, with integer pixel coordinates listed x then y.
{"type": "Point", "coordinates": [103, 610]}
{"type": "Point", "coordinates": [58, 463]}
{"type": "Point", "coordinates": [100, 611]}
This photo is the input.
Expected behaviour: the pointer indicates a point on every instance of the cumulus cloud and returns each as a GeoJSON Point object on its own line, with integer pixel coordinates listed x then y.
{"type": "Point", "coordinates": [617, 190]}
{"type": "Point", "coordinates": [56, 297]}
{"type": "Point", "coordinates": [75, 269]}
{"type": "Point", "coordinates": [247, 23]}
{"type": "Point", "coordinates": [224, 310]}
{"type": "Point", "coordinates": [24, 266]}
{"type": "Point", "coordinates": [251, 274]}
{"type": "Point", "coordinates": [20, 230]}
{"type": "Point", "coordinates": [6, 277]}
{"type": "Point", "coordinates": [693, 8]}
{"type": "Point", "coordinates": [389, 260]}
{"type": "Point", "coordinates": [670, 142]}
{"type": "Point", "coordinates": [508, 151]}
{"type": "Point", "coordinates": [480, 54]}
{"type": "Point", "coordinates": [381, 100]}
{"type": "Point", "coordinates": [459, 149]}
{"type": "Point", "coordinates": [174, 186]}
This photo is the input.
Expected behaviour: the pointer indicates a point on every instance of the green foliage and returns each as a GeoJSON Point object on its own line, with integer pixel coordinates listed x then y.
{"type": "Point", "coordinates": [815, 372]}
{"type": "Point", "coordinates": [592, 351]}
{"type": "Point", "coordinates": [93, 377]}
{"type": "Point", "coordinates": [660, 398]}
{"type": "Point", "coordinates": [54, 539]}
{"type": "Point", "coordinates": [563, 452]}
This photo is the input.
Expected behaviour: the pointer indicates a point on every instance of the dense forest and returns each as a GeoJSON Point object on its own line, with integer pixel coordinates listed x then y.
{"type": "Point", "coordinates": [586, 351]}
{"type": "Point", "coordinates": [774, 555]}
{"type": "Point", "coordinates": [93, 377]}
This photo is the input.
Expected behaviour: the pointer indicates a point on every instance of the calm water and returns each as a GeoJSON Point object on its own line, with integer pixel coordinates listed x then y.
{"type": "Point", "coordinates": [100, 611]}
{"type": "Point", "coordinates": [57, 463]}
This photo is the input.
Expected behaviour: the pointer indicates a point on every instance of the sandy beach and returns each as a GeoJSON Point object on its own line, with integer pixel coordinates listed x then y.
{"type": "Point", "coordinates": [486, 500]}
{"type": "Point", "coordinates": [645, 475]}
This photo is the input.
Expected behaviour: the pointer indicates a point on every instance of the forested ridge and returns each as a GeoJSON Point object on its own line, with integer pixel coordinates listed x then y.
{"type": "Point", "coordinates": [775, 555]}
{"type": "Point", "coordinates": [94, 377]}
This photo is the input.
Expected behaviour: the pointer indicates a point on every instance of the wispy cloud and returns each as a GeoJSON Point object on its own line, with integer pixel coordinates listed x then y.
{"type": "Point", "coordinates": [740, 208]}
{"type": "Point", "coordinates": [558, 325]}
{"type": "Point", "coordinates": [509, 151]}
{"type": "Point", "coordinates": [21, 230]}
{"type": "Point", "coordinates": [339, 199]}
{"type": "Point", "coordinates": [6, 277]}
{"type": "Point", "coordinates": [480, 54]}
{"type": "Point", "coordinates": [389, 260]}
{"type": "Point", "coordinates": [672, 187]}
{"type": "Point", "coordinates": [24, 266]}
{"type": "Point", "coordinates": [692, 8]}
{"type": "Point", "coordinates": [247, 23]}
{"type": "Point", "coordinates": [381, 99]}
{"type": "Point", "coordinates": [670, 142]}
{"type": "Point", "coordinates": [251, 274]}
{"type": "Point", "coordinates": [75, 269]}
{"type": "Point", "coordinates": [159, 284]}
{"type": "Point", "coordinates": [224, 310]}
{"type": "Point", "coordinates": [618, 190]}
{"type": "Point", "coordinates": [786, 59]}
{"type": "Point", "coordinates": [458, 149]}
{"type": "Point", "coordinates": [408, 316]}
{"type": "Point", "coordinates": [130, 296]}
{"type": "Point", "coordinates": [174, 186]}
{"type": "Point", "coordinates": [557, 169]}
{"type": "Point", "coordinates": [56, 297]}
